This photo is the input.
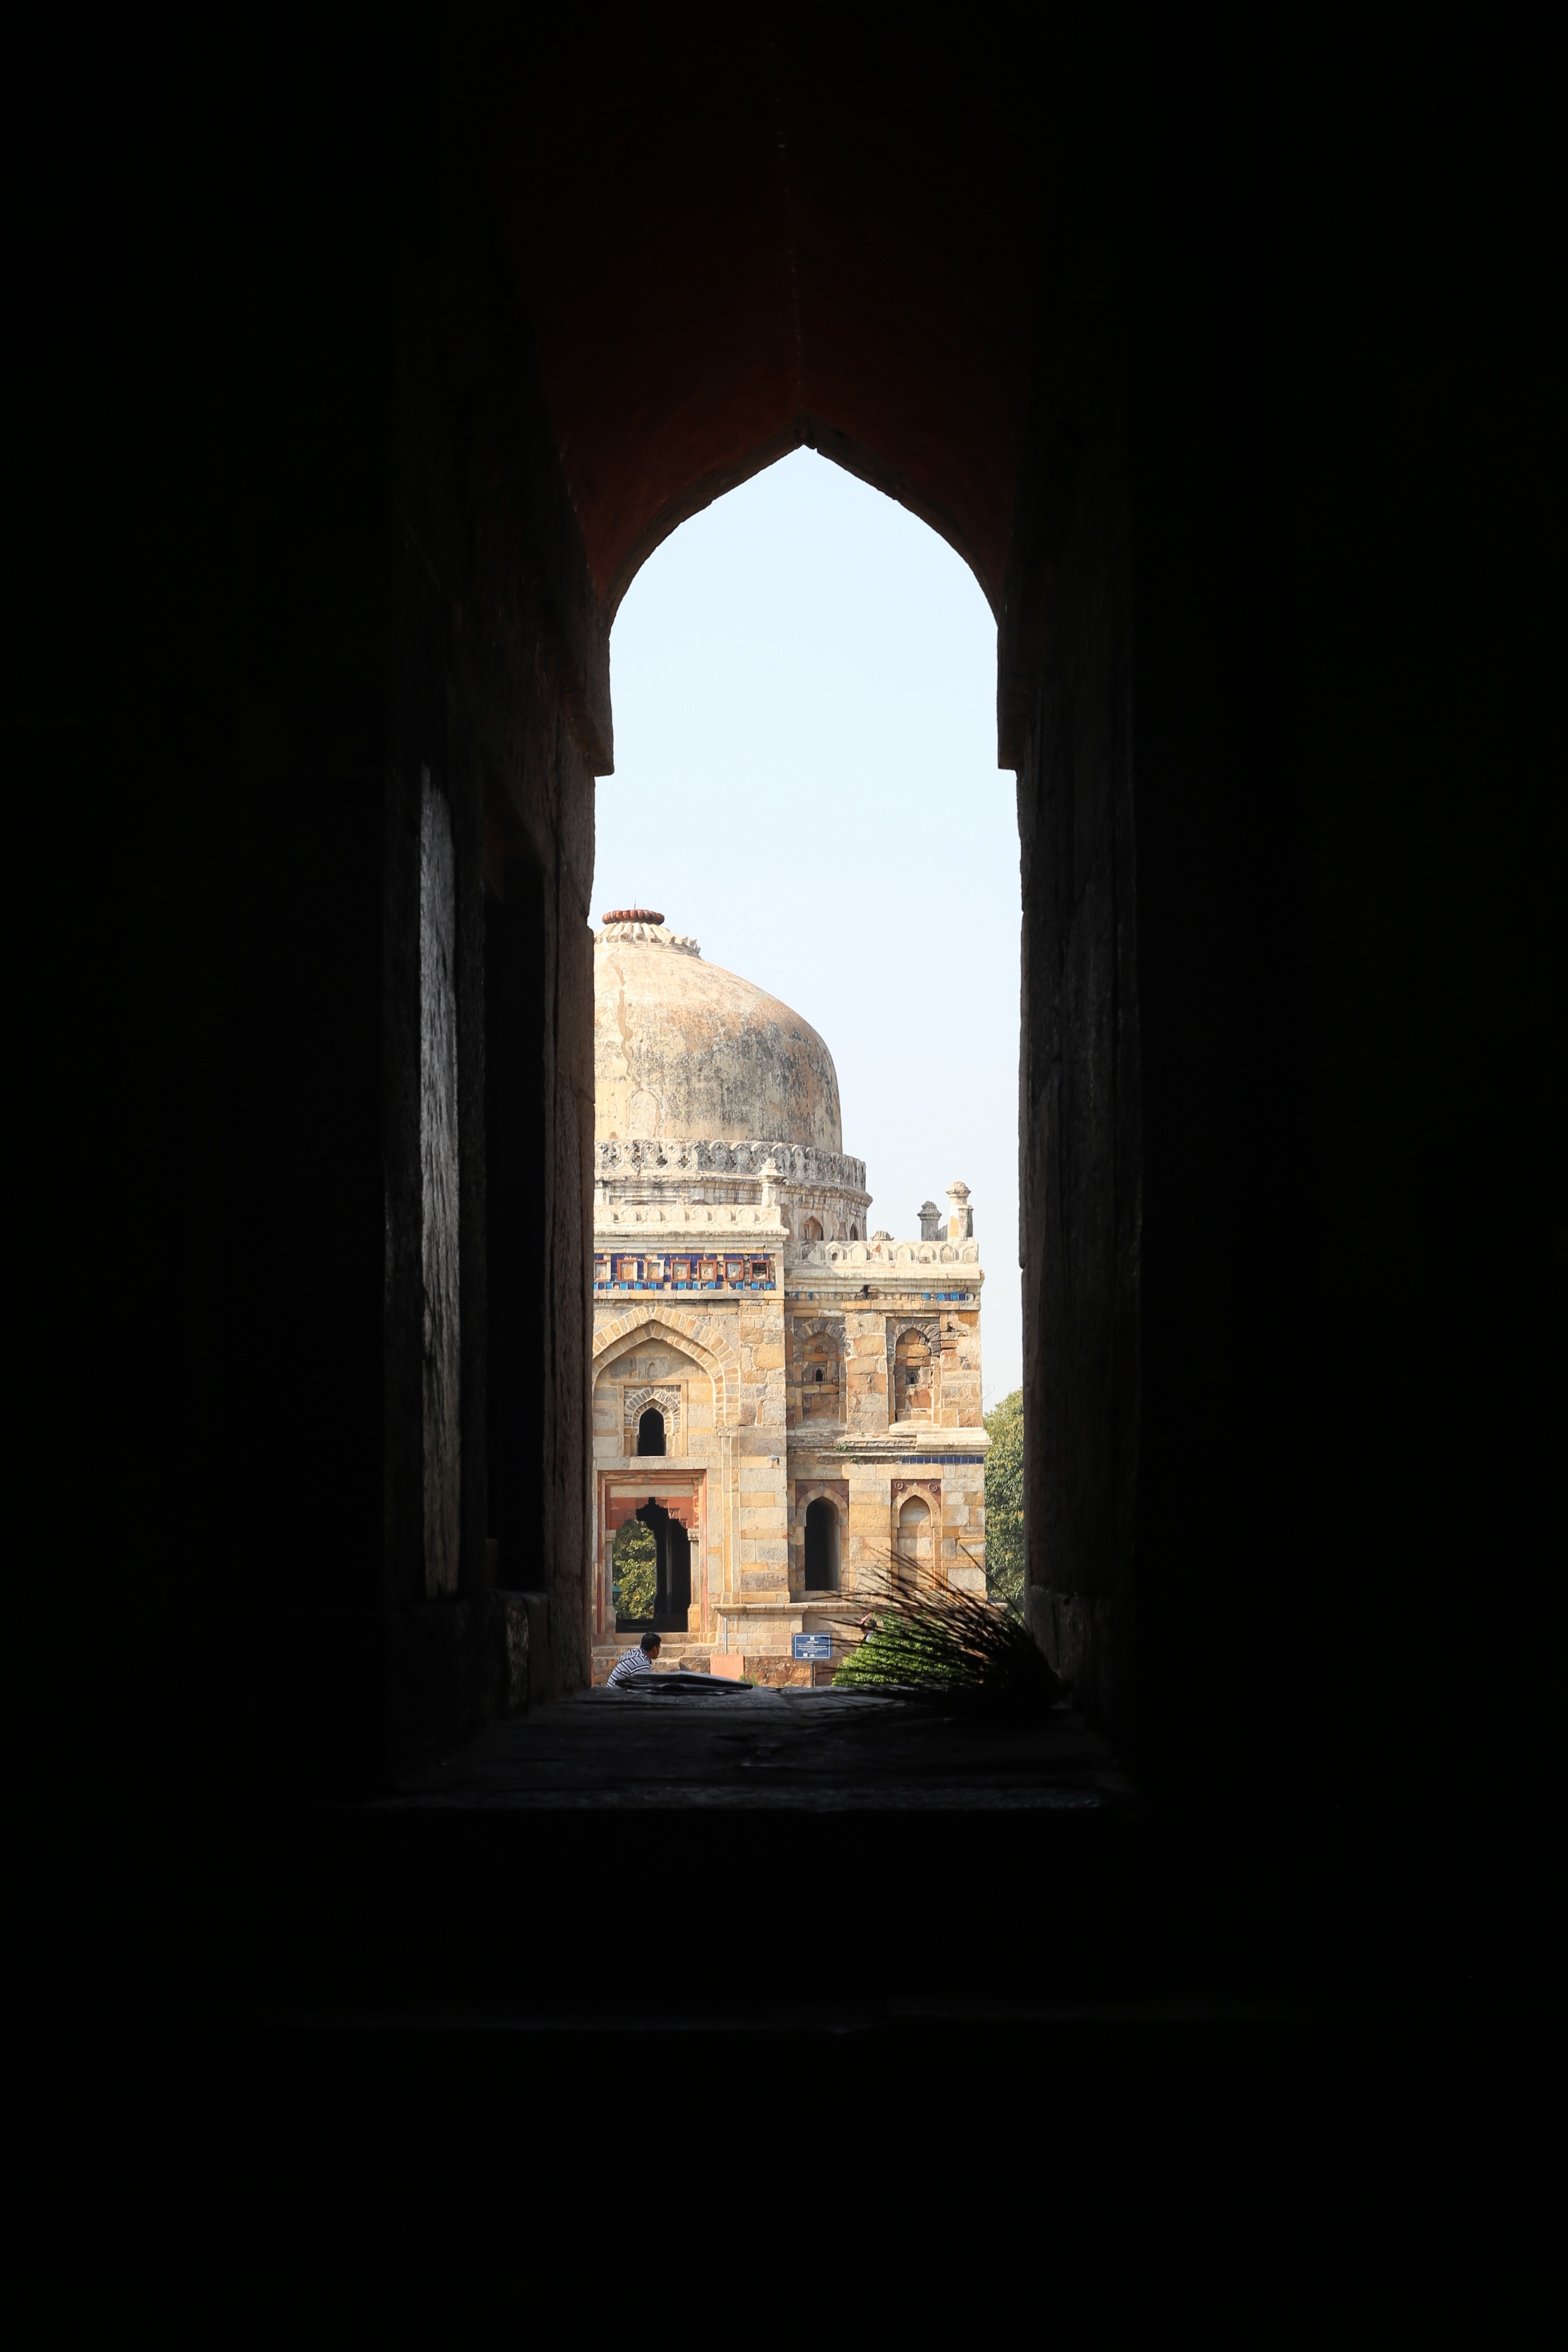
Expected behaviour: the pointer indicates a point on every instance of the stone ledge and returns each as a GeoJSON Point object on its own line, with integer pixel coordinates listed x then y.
{"type": "Point", "coordinates": [952, 1449]}
{"type": "Point", "coordinates": [670, 1156]}
{"type": "Point", "coordinates": [782, 1608]}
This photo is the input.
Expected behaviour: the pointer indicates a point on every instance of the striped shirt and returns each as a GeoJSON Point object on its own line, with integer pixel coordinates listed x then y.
{"type": "Point", "coordinates": [631, 1665]}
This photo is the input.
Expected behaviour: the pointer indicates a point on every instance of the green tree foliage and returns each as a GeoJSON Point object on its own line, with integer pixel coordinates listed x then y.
{"type": "Point", "coordinates": [1005, 1567]}
{"type": "Point", "coordinates": [636, 1558]}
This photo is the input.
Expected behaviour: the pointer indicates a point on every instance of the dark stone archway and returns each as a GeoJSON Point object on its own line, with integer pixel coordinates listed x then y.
{"type": "Point", "coordinates": [402, 359]}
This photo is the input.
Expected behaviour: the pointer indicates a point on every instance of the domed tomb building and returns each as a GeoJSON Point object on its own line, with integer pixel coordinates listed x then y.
{"type": "Point", "coordinates": [789, 1402]}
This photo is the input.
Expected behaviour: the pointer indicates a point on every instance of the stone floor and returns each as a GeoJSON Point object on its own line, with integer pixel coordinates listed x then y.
{"type": "Point", "coordinates": [730, 1748]}
{"type": "Point", "coordinates": [729, 1861]}
{"type": "Point", "coordinates": [700, 1849]}
{"type": "Point", "coordinates": [739, 1942]}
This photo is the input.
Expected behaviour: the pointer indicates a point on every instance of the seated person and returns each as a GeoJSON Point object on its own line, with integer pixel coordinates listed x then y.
{"type": "Point", "coordinates": [633, 1664]}
{"type": "Point", "coordinates": [632, 1670]}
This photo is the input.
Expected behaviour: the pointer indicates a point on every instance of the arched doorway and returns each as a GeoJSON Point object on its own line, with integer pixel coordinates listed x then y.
{"type": "Point", "coordinates": [821, 1546]}
{"type": "Point", "coordinates": [671, 1568]}
{"type": "Point", "coordinates": [1059, 475]}
{"type": "Point", "coordinates": [634, 1575]}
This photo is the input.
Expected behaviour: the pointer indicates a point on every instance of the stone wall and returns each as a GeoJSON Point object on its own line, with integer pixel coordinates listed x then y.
{"type": "Point", "coordinates": [514, 719]}
{"type": "Point", "coordinates": [354, 596]}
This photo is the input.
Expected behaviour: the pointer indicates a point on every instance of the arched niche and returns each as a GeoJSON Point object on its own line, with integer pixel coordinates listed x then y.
{"type": "Point", "coordinates": [822, 1547]}
{"type": "Point", "coordinates": [820, 1367]}
{"type": "Point", "coordinates": [912, 1546]}
{"type": "Point", "coordinates": [914, 1376]}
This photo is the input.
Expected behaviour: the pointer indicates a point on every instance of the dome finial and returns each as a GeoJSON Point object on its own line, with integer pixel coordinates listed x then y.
{"type": "Point", "coordinates": [646, 926]}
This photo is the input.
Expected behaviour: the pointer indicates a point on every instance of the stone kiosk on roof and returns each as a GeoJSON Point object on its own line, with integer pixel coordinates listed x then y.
{"type": "Point", "coordinates": [791, 1406]}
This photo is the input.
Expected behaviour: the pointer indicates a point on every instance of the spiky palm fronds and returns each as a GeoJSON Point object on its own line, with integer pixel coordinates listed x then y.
{"type": "Point", "coordinates": [959, 1647]}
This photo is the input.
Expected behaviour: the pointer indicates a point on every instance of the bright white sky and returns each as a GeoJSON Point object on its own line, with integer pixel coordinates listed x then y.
{"type": "Point", "coordinates": [804, 685]}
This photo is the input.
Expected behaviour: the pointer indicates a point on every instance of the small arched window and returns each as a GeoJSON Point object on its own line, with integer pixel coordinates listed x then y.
{"type": "Point", "coordinates": [812, 1230]}
{"type": "Point", "coordinates": [650, 1432]}
{"type": "Point", "coordinates": [854, 1233]}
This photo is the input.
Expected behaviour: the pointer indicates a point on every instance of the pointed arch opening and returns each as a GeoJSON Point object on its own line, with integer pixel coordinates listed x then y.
{"type": "Point", "coordinates": [912, 1545]}
{"type": "Point", "coordinates": [821, 1546]}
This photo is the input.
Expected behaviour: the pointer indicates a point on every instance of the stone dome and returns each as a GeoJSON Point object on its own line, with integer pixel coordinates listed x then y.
{"type": "Point", "coordinates": [683, 1048]}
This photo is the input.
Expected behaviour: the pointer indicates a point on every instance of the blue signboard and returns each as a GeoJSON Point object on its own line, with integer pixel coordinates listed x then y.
{"type": "Point", "coordinates": [813, 1645]}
